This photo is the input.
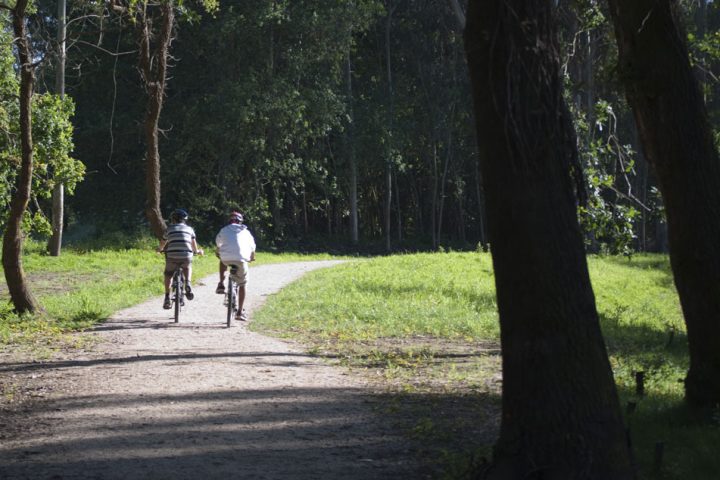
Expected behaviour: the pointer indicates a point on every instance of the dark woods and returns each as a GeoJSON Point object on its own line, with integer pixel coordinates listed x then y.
{"type": "Point", "coordinates": [322, 119]}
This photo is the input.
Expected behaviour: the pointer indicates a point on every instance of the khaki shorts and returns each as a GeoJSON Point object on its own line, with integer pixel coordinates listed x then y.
{"type": "Point", "coordinates": [172, 263]}
{"type": "Point", "coordinates": [241, 275]}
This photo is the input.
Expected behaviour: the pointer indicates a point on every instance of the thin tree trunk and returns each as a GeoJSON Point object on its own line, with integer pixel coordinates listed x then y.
{"type": "Point", "coordinates": [446, 167]}
{"type": "Point", "coordinates": [433, 204]}
{"type": "Point", "coordinates": [481, 205]}
{"type": "Point", "coordinates": [388, 160]}
{"type": "Point", "coordinates": [153, 67]}
{"type": "Point", "coordinates": [678, 142]}
{"type": "Point", "coordinates": [398, 211]}
{"type": "Point", "coordinates": [58, 195]}
{"type": "Point", "coordinates": [306, 223]}
{"type": "Point", "coordinates": [354, 228]}
{"type": "Point", "coordinates": [20, 295]}
{"type": "Point", "coordinates": [560, 411]}
{"type": "Point", "coordinates": [459, 14]}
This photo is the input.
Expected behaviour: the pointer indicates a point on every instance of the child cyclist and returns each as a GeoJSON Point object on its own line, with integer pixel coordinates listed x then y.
{"type": "Point", "coordinates": [179, 246]}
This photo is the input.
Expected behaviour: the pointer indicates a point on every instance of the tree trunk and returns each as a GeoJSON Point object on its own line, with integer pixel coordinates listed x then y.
{"type": "Point", "coordinates": [153, 67]}
{"type": "Point", "coordinates": [560, 412]}
{"type": "Point", "coordinates": [58, 195]}
{"type": "Point", "coordinates": [20, 295]}
{"type": "Point", "coordinates": [352, 158]}
{"type": "Point", "coordinates": [398, 209]}
{"type": "Point", "coordinates": [481, 206]}
{"type": "Point", "coordinates": [459, 14]}
{"type": "Point", "coordinates": [678, 142]}
{"type": "Point", "coordinates": [433, 203]}
{"type": "Point", "coordinates": [446, 167]}
{"type": "Point", "coordinates": [391, 113]}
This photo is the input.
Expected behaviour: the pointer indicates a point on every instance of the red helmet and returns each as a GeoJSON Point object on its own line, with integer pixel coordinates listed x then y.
{"type": "Point", "coordinates": [236, 217]}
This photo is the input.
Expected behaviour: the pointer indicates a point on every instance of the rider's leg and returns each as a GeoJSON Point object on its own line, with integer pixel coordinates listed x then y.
{"type": "Point", "coordinates": [222, 268]}
{"type": "Point", "coordinates": [242, 276]}
{"type": "Point", "coordinates": [240, 301]}
{"type": "Point", "coordinates": [167, 277]}
{"type": "Point", "coordinates": [166, 281]}
{"type": "Point", "coordinates": [187, 272]}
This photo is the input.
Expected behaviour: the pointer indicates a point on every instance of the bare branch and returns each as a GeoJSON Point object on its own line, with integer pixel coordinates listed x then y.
{"type": "Point", "coordinates": [113, 54]}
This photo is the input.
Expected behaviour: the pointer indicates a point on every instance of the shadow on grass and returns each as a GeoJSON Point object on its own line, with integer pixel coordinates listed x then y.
{"type": "Point", "coordinates": [643, 262]}
{"type": "Point", "coordinates": [639, 341]}
{"type": "Point", "coordinates": [671, 440]}
{"type": "Point", "coordinates": [482, 299]}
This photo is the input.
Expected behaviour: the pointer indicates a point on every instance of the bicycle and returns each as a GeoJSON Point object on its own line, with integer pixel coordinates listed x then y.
{"type": "Point", "coordinates": [177, 292]}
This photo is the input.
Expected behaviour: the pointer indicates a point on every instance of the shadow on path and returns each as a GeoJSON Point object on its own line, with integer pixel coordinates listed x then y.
{"type": "Point", "coordinates": [254, 434]}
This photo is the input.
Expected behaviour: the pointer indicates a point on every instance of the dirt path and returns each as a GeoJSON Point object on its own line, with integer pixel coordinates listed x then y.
{"type": "Point", "coordinates": [158, 400]}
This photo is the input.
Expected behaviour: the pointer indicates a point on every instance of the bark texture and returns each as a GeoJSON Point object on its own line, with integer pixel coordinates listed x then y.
{"type": "Point", "coordinates": [20, 295]}
{"type": "Point", "coordinates": [677, 138]}
{"type": "Point", "coordinates": [58, 195]}
{"type": "Point", "coordinates": [153, 68]}
{"type": "Point", "coordinates": [561, 416]}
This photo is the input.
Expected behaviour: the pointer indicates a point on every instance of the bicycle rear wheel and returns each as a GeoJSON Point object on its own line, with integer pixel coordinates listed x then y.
{"type": "Point", "coordinates": [178, 293]}
{"type": "Point", "coordinates": [230, 300]}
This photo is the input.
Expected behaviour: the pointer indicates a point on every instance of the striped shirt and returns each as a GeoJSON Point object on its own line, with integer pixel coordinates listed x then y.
{"type": "Point", "coordinates": [179, 241]}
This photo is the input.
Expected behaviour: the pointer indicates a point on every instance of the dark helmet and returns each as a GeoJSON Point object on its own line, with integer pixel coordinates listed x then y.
{"type": "Point", "coordinates": [178, 216]}
{"type": "Point", "coordinates": [236, 217]}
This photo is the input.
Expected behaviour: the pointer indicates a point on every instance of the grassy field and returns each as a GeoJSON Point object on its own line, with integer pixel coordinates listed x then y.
{"type": "Point", "coordinates": [427, 324]}
{"type": "Point", "coordinates": [425, 327]}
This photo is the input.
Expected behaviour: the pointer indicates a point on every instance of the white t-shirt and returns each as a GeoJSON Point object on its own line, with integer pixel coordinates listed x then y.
{"type": "Point", "coordinates": [235, 243]}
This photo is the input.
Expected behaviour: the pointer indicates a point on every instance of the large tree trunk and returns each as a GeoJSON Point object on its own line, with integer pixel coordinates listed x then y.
{"type": "Point", "coordinates": [23, 301]}
{"type": "Point", "coordinates": [153, 67]}
{"type": "Point", "coordinates": [678, 143]}
{"type": "Point", "coordinates": [58, 195]}
{"type": "Point", "coordinates": [560, 411]}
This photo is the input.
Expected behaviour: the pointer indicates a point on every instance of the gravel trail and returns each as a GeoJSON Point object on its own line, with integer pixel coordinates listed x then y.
{"type": "Point", "coordinates": [157, 400]}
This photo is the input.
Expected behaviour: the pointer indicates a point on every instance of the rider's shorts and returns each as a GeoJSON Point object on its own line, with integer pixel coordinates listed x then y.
{"type": "Point", "coordinates": [239, 274]}
{"type": "Point", "coordinates": [172, 263]}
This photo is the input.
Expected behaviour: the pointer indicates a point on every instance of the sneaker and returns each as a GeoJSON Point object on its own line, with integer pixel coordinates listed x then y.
{"type": "Point", "coordinates": [220, 290]}
{"type": "Point", "coordinates": [241, 316]}
{"type": "Point", "coordinates": [189, 293]}
{"type": "Point", "coordinates": [167, 304]}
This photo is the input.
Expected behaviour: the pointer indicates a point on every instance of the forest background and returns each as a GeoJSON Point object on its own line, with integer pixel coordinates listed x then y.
{"type": "Point", "coordinates": [329, 123]}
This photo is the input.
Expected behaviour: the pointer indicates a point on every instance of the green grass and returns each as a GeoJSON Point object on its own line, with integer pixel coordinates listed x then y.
{"type": "Point", "coordinates": [84, 286]}
{"type": "Point", "coordinates": [399, 315]}
{"type": "Point", "coordinates": [449, 296]}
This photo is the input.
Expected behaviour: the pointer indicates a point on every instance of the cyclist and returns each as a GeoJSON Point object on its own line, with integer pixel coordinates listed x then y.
{"type": "Point", "coordinates": [179, 245]}
{"type": "Point", "coordinates": [235, 247]}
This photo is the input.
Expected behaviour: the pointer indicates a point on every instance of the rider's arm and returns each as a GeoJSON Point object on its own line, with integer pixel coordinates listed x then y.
{"type": "Point", "coordinates": [161, 248]}
{"type": "Point", "coordinates": [195, 248]}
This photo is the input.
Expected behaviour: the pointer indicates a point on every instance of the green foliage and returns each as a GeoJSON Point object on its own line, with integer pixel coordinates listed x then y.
{"type": "Point", "coordinates": [52, 143]}
{"type": "Point", "coordinates": [609, 214]}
